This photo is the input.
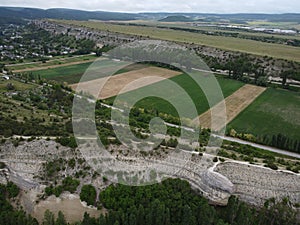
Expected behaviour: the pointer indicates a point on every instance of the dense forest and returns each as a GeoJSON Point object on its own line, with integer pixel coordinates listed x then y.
{"type": "Point", "coordinates": [170, 202]}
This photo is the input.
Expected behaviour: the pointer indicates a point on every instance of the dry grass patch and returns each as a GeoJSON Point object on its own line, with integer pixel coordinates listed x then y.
{"type": "Point", "coordinates": [234, 103]}
{"type": "Point", "coordinates": [124, 82]}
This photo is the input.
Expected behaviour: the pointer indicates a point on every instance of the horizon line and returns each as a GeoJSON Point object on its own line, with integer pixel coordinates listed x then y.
{"type": "Point", "coordinates": [140, 12]}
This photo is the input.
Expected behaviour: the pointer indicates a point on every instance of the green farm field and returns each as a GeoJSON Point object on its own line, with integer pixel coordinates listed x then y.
{"type": "Point", "coordinates": [73, 73]}
{"type": "Point", "coordinates": [70, 74]}
{"type": "Point", "coordinates": [275, 111]}
{"type": "Point", "coordinates": [51, 62]}
{"type": "Point", "coordinates": [189, 86]}
{"type": "Point", "coordinates": [226, 43]}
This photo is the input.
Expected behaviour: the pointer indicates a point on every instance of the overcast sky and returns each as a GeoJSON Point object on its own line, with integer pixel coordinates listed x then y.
{"type": "Point", "coordinates": [212, 6]}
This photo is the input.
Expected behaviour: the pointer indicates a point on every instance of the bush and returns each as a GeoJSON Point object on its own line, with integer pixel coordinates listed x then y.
{"type": "Point", "coordinates": [2, 165]}
{"type": "Point", "coordinates": [49, 191]}
{"type": "Point", "coordinates": [72, 163]}
{"type": "Point", "coordinates": [12, 190]}
{"type": "Point", "coordinates": [67, 141]}
{"type": "Point", "coordinates": [70, 184]}
{"type": "Point", "coordinates": [88, 194]}
{"type": "Point", "coordinates": [272, 165]}
{"type": "Point", "coordinates": [57, 191]}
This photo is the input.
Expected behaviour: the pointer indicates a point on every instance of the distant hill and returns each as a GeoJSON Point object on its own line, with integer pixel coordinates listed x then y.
{"type": "Point", "coordinates": [176, 19]}
{"type": "Point", "coordinates": [68, 14]}
{"type": "Point", "coordinates": [17, 14]}
{"type": "Point", "coordinates": [286, 17]}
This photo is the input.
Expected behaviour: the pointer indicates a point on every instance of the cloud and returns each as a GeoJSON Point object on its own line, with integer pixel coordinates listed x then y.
{"type": "Point", "coordinates": [208, 6]}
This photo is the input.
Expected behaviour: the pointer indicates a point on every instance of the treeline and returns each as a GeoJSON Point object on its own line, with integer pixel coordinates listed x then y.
{"type": "Point", "coordinates": [250, 69]}
{"type": "Point", "coordinates": [31, 127]}
{"type": "Point", "coordinates": [243, 69]}
{"type": "Point", "coordinates": [281, 141]}
{"type": "Point", "coordinates": [173, 202]}
{"type": "Point", "coordinates": [292, 74]}
{"type": "Point", "coordinates": [276, 140]}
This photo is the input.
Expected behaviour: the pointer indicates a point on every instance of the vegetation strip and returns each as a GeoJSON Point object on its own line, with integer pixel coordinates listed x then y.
{"type": "Point", "coordinates": [53, 66]}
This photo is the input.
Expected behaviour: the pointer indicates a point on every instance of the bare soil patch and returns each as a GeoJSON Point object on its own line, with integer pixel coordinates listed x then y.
{"type": "Point", "coordinates": [69, 204]}
{"type": "Point", "coordinates": [124, 82]}
{"type": "Point", "coordinates": [234, 103]}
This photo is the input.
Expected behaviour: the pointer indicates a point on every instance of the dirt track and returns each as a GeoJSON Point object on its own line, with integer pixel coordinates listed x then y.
{"type": "Point", "coordinates": [234, 103]}
{"type": "Point", "coordinates": [115, 84]}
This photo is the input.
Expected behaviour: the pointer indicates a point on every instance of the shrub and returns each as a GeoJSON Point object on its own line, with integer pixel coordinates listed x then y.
{"type": "Point", "coordinates": [12, 190]}
{"type": "Point", "coordinates": [2, 165]}
{"type": "Point", "coordinates": [272, 165]}
{"type": "Point", "coordinates": [70, 184]}
{"type": "Point", "coordinates": [88, 194]}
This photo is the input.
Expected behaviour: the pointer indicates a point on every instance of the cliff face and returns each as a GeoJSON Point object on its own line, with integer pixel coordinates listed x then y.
{"type": "Point", "coordinates": [218, 187]}
{"type": "Point", "coordinates": [216, 181]}
{"type": "Point", "coordinates": [25, 162]}
{"type": "Point", "coordinates": [255, 184]}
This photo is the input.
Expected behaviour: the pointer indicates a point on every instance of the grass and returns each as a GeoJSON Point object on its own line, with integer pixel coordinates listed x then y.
{"type": "Point", "coordinates": [18, 86]}
{"type": "Point", "coordinates": [51, 62]}
{"type": "Point", "coordinates": [70, 74]}
{"type": "Point", "coordinates": [216, 29]}
{"type": "Point", "coordinates": [283, 25]}
{"type": "Point", "coordinates": [136, 66]}
{"type": "Point", "coordinates": [189, 86]}
{"type": "Point", "coordinates": [225, 43]}
{"type": "Point", "coordinates": [19, 109]}
{"type": "Point", "coordinates": [73, 73]}
{"type": "Point", "coordinates": [275, 111]}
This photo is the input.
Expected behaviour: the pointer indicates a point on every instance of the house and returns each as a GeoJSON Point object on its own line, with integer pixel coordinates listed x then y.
{"type": "Point", "coordinates": [5, 77]}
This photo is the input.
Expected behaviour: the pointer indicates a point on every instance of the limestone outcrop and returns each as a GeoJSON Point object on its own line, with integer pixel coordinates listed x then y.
{"type": "Point", "coordinates": [24, 165]}
{"type": "Point", "coordinates": [255, 184]}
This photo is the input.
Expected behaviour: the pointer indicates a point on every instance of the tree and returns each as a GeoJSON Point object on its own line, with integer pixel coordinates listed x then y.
{"type": "Point", "coordinates": [70, 184]}
{"type": "Point", "coordinates": [10, 87]}
{"type": "Point", "coordinates": [285, 75]}
{"type": "Point", "coordinates": [98, 52]}
{"type": "Point", "coordinates": [188, 217]}
{"type": "Point", "coordinates": [12, 189]}
{"type": "Point", "coordinates": [88, 194]}
{"type": "Point", "coordinates": [60, 219]}
{"type": "Point", "coordinates": [48, 218]}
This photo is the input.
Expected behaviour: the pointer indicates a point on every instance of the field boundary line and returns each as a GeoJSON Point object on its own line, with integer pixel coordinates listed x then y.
{"type": "Point", "coordinates": [53, 66]}
{"type": "Point", "coordinates": [235, 104]}
{"type": "Point", "coordinates": [114, 84]}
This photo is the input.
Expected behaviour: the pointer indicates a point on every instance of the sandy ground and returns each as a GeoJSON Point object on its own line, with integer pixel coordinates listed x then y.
{"type": "Point", "coordinates": [53, 66]}
{"type": "Point", "coordinates": [69, 204]}
{"type": "Point", "coordinates": [124, 82]}
{"type": "Point", "coordinates": [234, 103]}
